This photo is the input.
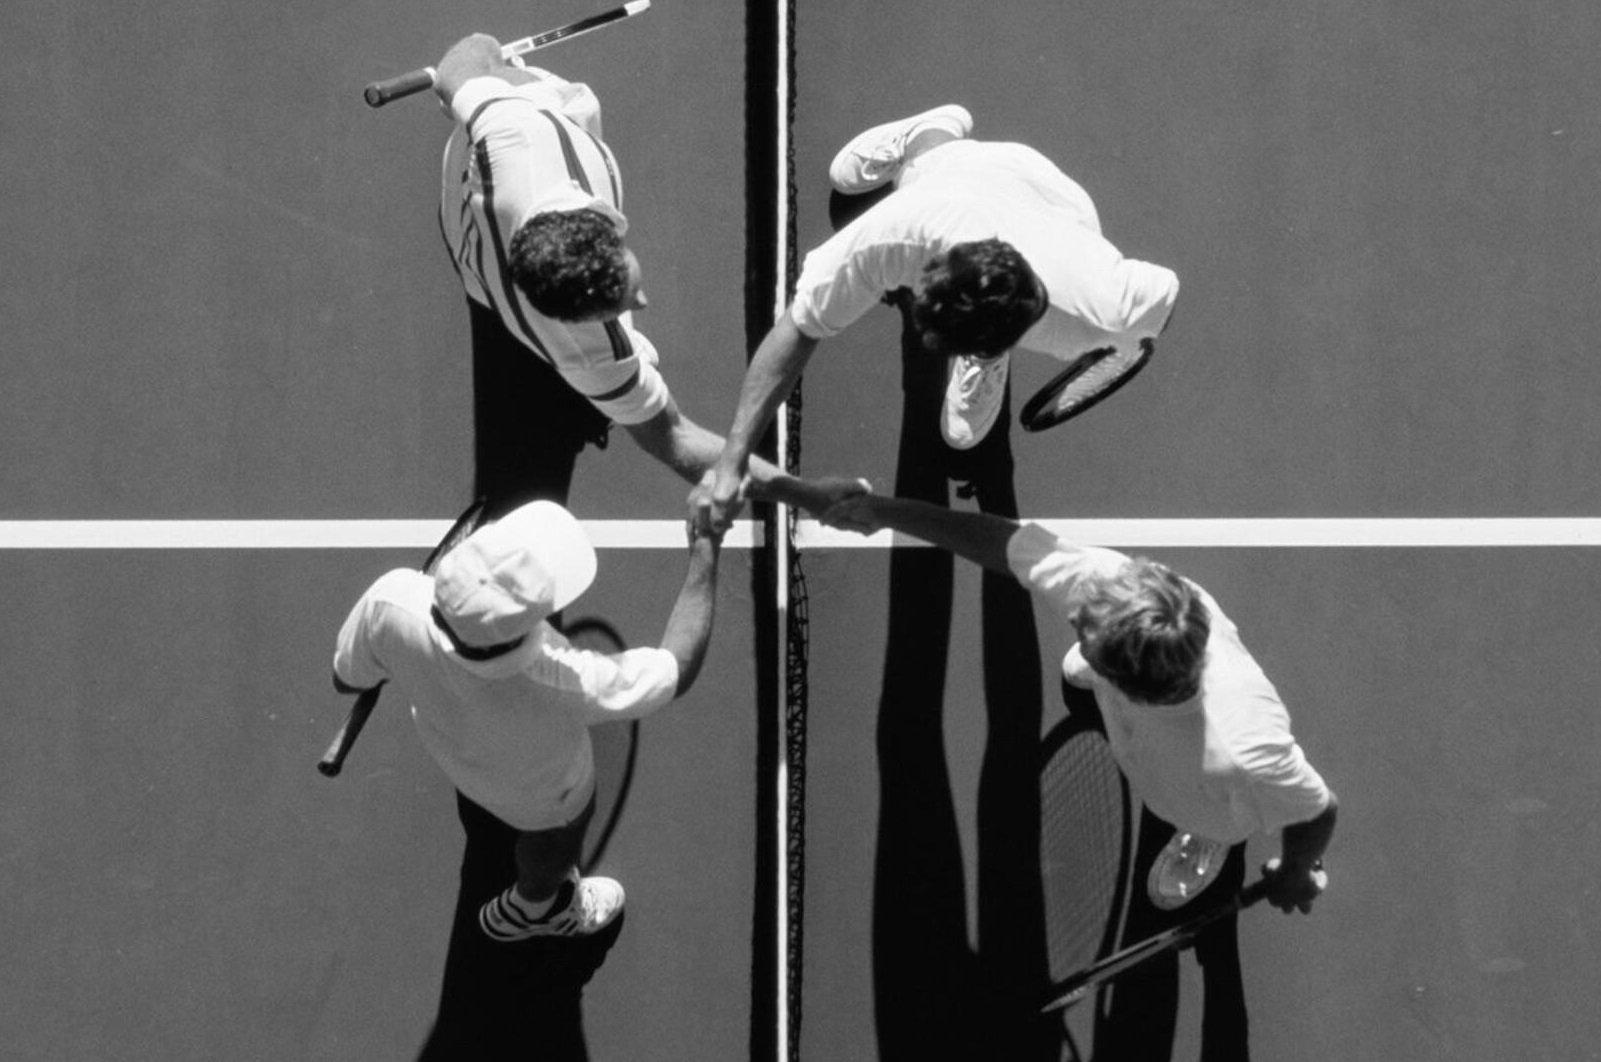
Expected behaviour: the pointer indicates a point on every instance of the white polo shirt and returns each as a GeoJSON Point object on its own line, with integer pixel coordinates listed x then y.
{"type": "Point", "coordinates": [517, 151]}
{"type": "Point", "coordinates": [1222, 764]}
{"type": "Point", "coordinates": [511, 733]}
{"type": "Point", "coordinates": [970, 190]}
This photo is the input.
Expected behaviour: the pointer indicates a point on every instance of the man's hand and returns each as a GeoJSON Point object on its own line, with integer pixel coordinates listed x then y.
{"type": "Point", "coordinates": [855, 512]}
{"type": "Point", "coordinates": [1294, 887]}
{"type": "Point", "coordinates": [718, 499]}
{"type": "Point", "coordinates": [473, 56]}
{"type": "Point", "coordinates": [701, 508]}
{"type": "Point", "coordinates": [827, 492]}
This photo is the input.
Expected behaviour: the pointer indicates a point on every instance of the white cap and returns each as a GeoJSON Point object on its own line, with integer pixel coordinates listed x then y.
{"type": "Point", "coordinates": [506, 577]}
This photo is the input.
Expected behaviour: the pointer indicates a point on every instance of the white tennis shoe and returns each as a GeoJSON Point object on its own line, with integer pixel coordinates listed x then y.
{"type": "Point", "coordinates": [874, 158]}
{"type": "Point", "coordinates": [582, 906]}
{"type": "Point", "coordinates": [973, 398]}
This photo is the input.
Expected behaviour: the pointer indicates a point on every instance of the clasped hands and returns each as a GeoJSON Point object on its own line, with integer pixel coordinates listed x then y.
{"type": "Point", "coordinates": [836, 501]}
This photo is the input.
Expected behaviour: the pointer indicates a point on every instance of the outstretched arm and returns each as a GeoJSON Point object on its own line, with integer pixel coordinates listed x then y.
{"type": "Point", "coordinates": [689, 627]}
{"type": "Point", "coordinates": [773, 371]}
{"type": "Point", "coordinates": [692, 450]}
{"type": "Point", "coordinates": [979, 537]}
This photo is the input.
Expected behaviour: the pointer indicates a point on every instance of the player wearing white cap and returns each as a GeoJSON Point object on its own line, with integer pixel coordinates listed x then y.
{"type": "Point", "coordinates": [503, 702]}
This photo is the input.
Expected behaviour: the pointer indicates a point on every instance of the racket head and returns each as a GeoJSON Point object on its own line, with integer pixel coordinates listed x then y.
{"type": "Point", "coordinates": [470, 520]}
{"type": "Point", "coordinates": [1088, 380]}
{"type": "Point", "coordinates": [616, 747]}
{"type": "Point", "coordinates": [1085, 838]}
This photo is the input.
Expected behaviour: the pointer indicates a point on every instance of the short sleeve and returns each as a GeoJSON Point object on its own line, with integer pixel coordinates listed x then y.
{"type": "Point", "coordinates": [1285, 787]}
{"type": "Point", "coordinates": [356, 658]}
{"type": "Point", "coordinates": [1055, 569]}
{"type": "Point", "coordinates": [629, 390]}
{"type": "Point", "coordinates": [623, 685]}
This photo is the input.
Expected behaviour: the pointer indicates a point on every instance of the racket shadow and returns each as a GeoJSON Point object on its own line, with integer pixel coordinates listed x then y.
{"type": "Point", "coordinates": [616, 747]}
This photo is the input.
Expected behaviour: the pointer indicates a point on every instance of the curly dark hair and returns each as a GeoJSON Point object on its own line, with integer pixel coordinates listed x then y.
{"type": "Point", "coordinates": [571, 264]}
{"type": "Point", "coordinates": [978, 298]}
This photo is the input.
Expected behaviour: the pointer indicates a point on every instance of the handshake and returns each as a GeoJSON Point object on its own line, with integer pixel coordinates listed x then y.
{"type": "Point", "coordinates": [836, 501]}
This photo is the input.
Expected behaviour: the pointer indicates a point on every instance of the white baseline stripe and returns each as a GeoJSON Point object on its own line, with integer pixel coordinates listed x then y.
{"type": "Point", "coordinates": [1252, 533]}
{"type": "Point", "coordinates": [669, 534]}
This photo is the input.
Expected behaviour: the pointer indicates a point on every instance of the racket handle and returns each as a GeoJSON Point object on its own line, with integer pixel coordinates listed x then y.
{"type": "Point", "coordinates": [333, 761]}
{"type": "Point", "coordinates": [381, 92]}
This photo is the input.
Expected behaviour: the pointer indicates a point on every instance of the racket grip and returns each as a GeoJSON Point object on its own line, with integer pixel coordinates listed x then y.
{"type": "Point", "coordinates": [333, 761]}
{"type": "Point", "coordinates": [381, 92]}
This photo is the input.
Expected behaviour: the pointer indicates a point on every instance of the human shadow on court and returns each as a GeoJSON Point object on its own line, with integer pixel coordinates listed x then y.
{"type": "Point", "coordinates": [936, 995]}
{"type": "Point", "coordinates": [505, 1001]}
{"type": "Point", "coordinates": [522, 1000]}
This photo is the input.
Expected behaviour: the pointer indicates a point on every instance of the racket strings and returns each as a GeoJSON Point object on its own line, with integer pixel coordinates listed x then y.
{"type": "Point", "coordinates": [1081, 854]}
{"type": "Point", "coordinates": [1099, 375]}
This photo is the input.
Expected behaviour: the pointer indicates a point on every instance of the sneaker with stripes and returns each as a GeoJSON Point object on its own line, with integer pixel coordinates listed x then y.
{"type": "Point", "coordinates": [581, 906]}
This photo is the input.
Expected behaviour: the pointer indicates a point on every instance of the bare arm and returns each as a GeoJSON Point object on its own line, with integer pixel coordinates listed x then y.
{"type": "Point", "coordinates": [691, 451]}
{"type": "Point", "coordinates": [979, 537]}
{"type": "Point", "coordinates": [1297, 873]}
{"type": "Point", "coordinates": [689, 628]}
{"type": "Point", "coordinates": [773, 371]}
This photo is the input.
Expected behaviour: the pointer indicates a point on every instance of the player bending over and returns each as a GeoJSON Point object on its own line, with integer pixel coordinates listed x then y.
{"type": "Point", "coordinates": [531, 213]}
{"type": "Point", "coordinates": [1194, 724]}
{"type": "Point", "coordinates": [1000, 249]}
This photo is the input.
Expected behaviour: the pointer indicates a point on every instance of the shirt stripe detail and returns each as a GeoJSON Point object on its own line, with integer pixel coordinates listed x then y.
{"type": "Point", "coordinates": [622, 348]}
{"type": "Point", "coordinates": [619, 391]}
{"type": "Point", "coordinates": [575, 168]}
{"type": "Point", "coordinates": [503, 265]}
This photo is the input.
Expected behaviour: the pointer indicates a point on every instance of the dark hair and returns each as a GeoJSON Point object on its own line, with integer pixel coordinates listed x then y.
{"type": "Point", "coordinates": [978, 298]}
{"type": "Point", "coordinates": [1145, 628]}
{"type": "Point", "coordinates": [571, 264]}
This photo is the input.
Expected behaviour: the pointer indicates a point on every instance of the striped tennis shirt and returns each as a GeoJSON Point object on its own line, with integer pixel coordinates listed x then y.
{"type": "Point", "coordinates": [519, 150]}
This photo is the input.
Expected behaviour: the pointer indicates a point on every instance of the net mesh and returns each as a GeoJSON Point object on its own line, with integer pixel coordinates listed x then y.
{"type": "Point", "coordinates": [797, 634]}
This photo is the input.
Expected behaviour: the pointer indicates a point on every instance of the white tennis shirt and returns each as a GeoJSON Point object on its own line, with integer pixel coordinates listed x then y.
{"type": "Point", "coordinates": [1222, 764]}
{"type": "Point", "coordinates": [517, 151]}
{"type": "Point", "coordinates": [970, 190]}
{"type": "Point", "coordinates": [511, 733]}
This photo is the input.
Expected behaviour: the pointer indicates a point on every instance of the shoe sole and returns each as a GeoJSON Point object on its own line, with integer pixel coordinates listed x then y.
{"type": "Point", "coordinates": [842, 171]}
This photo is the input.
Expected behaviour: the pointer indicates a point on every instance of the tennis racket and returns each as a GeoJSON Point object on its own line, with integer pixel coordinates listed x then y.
{"type": "Point", "coordinates": [1086, 381]}
{"type": "Point", "coordinates": [381, 92]}
{"type": "Point", "coordinates": [1072, 989]}
{"type": "Point", "coordinates": [333, 760]}
{"type": "Point", "coordinates": [616, 747]}
{"type": "Point", "coordinates": [1086, 833]}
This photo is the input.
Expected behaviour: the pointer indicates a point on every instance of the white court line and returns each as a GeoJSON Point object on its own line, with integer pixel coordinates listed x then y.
{"type": "Point", "coordinates": [669, 534]}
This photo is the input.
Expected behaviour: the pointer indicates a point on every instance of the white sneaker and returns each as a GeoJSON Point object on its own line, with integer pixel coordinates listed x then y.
{"type": "Point", "coordinates": [973, 399]}
{"type": "Point", "coordinates": [582, 906]}
{"type": "Point", "coordinates": [875, 158]}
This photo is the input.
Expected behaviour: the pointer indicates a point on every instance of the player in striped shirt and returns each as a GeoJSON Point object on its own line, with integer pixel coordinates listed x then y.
{"type": "Point", "coordinates": [531, 213]}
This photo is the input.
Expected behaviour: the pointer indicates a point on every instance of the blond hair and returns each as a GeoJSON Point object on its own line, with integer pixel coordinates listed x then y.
{"type": "Point", "coordinates": [1144, 627]}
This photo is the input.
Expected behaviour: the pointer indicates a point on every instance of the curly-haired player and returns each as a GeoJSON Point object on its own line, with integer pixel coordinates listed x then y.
{"type": "Point", "coordinates": [572, 265]}
{"type": "Point", "coordinates": [531, 213]}
{"type": "Point", "coordinates": [998, 248]}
